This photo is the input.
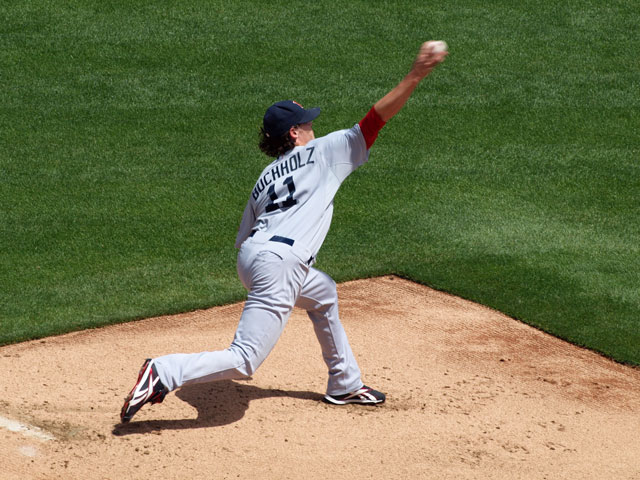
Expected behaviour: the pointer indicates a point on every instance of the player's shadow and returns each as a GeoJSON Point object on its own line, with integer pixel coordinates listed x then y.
{"type": "Point", "coordinates": [217, 403]}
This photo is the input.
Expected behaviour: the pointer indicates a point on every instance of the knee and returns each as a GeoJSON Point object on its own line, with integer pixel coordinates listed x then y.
{"type": "Point", "coordinates": [330, 289]}
{"type": "Point", "coordinates": [251, 365]}
{"type": "Point", "coordinates": [248, 360]}
{"type": "Point", "coordinates": [329, 282]}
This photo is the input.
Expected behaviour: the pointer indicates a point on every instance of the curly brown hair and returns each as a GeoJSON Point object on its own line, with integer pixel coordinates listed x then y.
{"type": "Point", "coordinates": [275, 146]}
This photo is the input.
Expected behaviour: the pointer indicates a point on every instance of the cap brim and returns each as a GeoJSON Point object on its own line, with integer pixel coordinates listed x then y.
{"type": "Point", "coordinates": [310, 115]}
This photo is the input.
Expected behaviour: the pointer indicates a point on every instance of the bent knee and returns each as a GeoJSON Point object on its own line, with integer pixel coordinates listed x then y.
{"type": "Point", "coordinates": [248, 360]}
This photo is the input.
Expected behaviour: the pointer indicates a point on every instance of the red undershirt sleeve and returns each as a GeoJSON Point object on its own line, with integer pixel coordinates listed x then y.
{"type": "Point", "coordinates": [370, 125]}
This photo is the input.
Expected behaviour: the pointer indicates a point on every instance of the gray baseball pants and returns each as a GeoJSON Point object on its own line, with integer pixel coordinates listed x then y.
{"type": "Point", "coordinates": [276, 279]}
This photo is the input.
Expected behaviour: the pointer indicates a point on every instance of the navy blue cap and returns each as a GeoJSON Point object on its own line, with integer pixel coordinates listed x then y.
{"type": "Point", "coordinates": [281, 116]}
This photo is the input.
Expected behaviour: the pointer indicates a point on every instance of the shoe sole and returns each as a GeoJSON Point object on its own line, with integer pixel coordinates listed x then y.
{"type": "Point", "coordinates": [357, 401]}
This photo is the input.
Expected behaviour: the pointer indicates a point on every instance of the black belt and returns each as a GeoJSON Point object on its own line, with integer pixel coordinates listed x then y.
{"type": "Point", "coordinates": [277, 238]}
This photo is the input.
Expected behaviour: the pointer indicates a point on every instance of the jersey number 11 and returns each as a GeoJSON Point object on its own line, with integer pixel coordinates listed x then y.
{"type": "Point", "coordinates": [287, 202]}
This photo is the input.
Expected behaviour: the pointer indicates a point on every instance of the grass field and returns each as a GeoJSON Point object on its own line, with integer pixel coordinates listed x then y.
{"type": "Point", "coordinates": [511, 178]}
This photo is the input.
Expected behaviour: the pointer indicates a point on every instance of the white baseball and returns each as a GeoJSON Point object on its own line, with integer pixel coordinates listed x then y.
{"type": "Point", "coordinates": [438, 46]}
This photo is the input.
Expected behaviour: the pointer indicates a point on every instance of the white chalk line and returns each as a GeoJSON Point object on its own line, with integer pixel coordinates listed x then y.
{"type": "Point", "coordinates": [24, 429]}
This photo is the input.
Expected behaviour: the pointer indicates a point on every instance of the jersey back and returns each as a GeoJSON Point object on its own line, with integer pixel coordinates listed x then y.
{"type": "Point", "coordinates": [293, 196]}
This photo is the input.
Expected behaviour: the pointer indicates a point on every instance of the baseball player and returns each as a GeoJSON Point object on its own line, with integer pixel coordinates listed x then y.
{"type": "Point", "coordinates": [283, 226]}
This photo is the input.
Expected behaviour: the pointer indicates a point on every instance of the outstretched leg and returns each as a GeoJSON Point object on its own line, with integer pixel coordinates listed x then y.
{"type": "Point", "coordinates": [273, 283]}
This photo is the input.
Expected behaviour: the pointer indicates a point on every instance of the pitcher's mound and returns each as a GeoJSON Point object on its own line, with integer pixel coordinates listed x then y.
{"type": "Point", "coordinates": [471, 393]}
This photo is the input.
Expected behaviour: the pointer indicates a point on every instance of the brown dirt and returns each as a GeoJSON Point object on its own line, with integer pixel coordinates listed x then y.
{"type": "Point", "coordinates": [471, 393]}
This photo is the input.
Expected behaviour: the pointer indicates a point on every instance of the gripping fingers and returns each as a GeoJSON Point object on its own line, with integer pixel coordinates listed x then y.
{"type": "Point", "coordinates": [427, 59]}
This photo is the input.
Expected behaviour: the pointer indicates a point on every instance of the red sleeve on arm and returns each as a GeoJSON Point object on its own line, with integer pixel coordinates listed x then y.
{"type": "Point", "coordinates": [370, 125]}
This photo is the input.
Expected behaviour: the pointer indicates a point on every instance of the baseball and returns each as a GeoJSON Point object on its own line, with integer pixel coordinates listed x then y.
{"type": "Point", "coordinates": [437, 46]}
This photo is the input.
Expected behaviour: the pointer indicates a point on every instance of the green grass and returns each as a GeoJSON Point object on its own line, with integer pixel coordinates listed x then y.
{"type": "Point", "coordinates": [128, 150]}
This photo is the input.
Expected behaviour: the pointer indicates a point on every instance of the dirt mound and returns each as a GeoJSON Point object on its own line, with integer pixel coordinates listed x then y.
{"type": "Point", "coordinates": [471, 393]}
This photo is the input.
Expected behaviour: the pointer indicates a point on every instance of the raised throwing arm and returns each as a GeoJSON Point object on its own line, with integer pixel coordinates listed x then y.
{"type": "Point", "coordinates": [427, 59]}
{"type": "Point", "coordinates": [425, 62]}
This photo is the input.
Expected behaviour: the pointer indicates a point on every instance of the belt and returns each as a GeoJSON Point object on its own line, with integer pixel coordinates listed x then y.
{"type": "Point", "coordinates": [276, 238]}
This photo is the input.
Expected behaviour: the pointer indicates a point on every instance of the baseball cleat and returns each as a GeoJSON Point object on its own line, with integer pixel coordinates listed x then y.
{"type": "Point", "coordinates": [363, 396]}
{"type": "Point", "coordinates": [148, 389]}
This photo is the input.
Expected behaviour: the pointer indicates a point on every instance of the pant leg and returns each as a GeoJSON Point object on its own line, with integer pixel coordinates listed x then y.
{"type": "Point", "coordinates": [274, 281]}
{"type": "Point", "coordinates": [319, 298]}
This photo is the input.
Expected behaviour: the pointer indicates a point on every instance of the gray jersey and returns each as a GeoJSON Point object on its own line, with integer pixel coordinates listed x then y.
{"type": "Point", "coordinates": [293, 197]}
